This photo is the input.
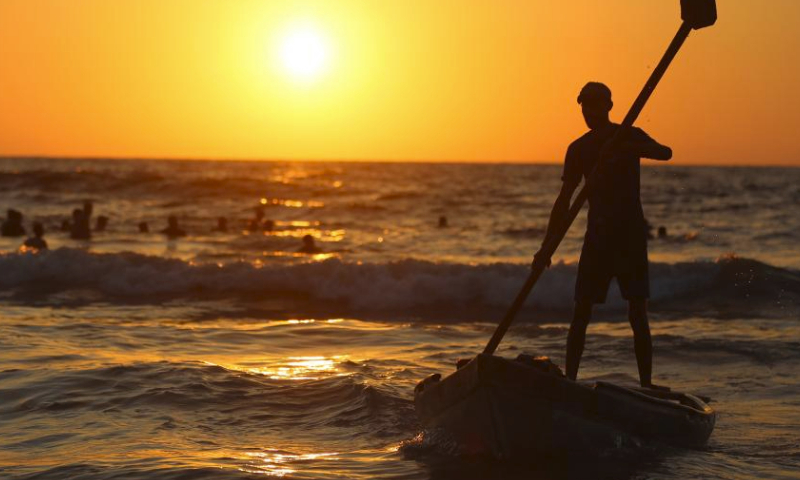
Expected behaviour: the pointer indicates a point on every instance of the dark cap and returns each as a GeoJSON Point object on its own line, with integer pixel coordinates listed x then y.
{"type": "Point", "coordinates": [595, 92]}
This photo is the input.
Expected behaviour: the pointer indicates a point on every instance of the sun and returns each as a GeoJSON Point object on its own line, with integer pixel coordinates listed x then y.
{"type": "Point", "coordinates": [304, 53]}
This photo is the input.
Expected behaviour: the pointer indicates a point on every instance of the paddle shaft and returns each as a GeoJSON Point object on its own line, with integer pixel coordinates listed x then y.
{"type": "Point", "coordinates": [554, 239]}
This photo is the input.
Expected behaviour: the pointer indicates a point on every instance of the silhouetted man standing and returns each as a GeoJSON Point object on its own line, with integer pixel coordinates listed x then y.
{"type": "Point", "coordinates": [615, 244]}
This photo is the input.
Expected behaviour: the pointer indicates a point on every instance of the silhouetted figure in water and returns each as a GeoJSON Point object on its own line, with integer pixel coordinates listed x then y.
{"type": "Point", "coordinates": [12, 227]}
{"type": "Point", "coordinates": [662, 232]}
{"type": "Point", "coordinates": [144, 227]}
{"type": "Point", "coordinates": [309, 246]}
{"type": "Point", "coordinates": [173, 230]}
{"type": "Point", "coordinates": [222, 225]}
{"type": "Point", "coordinates": [66, 226]}
{"type": "Point", "coordinates": [269, 225]}
{"type": "Point", "coordinates": [442, 221]}
{"type": "Point", "coordinates": [79, 228]}
{"type": "Point", "coordinates": [37, 241]}
{"type": "Point", "coordinates": [102, 223]}
{"type": "Point", "coordinates": [615, 244]}
{"type": "Point", "coordinates": [255, 224]}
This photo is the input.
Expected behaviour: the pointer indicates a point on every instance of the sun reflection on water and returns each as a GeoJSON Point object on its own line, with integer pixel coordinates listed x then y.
{"type": "Point", "coordinates": [316, 257]}
{"type": "Point", "coordinates": [301, 368]}
{"type": "Point", "coordinates": [276, 463]}
{"type": "Point", "coordinates": [291, 203]}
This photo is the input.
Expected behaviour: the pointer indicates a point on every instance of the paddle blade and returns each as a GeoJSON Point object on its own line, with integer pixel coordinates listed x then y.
{"type": "Point", "coordinates": [699, 13]}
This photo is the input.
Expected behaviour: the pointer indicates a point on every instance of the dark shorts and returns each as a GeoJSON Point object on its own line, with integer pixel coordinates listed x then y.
{"type": "Point", "coordinates": [605, 255]}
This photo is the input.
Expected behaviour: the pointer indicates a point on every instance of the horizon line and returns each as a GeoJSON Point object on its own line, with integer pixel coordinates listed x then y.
{"type": "Point", "coordinates": [361, 160]}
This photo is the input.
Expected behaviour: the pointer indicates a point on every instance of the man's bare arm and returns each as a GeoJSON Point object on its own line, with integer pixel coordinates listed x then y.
{"type": "Point", "coordinates": [560, 210]}
{"type": "Point", "coordinates": [652, 150]}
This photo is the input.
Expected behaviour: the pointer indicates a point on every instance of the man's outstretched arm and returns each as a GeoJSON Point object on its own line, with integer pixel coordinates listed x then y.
{"type": "Point", "coordinates": [643, 146]}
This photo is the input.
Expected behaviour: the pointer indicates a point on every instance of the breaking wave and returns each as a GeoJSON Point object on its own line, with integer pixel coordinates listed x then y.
{"type": "Point", "coordinates": [730, 286]}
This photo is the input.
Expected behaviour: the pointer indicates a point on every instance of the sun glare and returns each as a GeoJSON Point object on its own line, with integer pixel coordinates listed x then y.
{"type": "Point", "coordinates": [304, 53]}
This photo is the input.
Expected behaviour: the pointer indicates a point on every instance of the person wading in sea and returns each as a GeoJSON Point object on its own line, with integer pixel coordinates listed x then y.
{"type": "Point", "coordinates": [615, 244]}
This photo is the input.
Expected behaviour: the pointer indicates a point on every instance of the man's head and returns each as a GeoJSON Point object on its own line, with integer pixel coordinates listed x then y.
{"type": "Point", "coordinates": [595, 101]}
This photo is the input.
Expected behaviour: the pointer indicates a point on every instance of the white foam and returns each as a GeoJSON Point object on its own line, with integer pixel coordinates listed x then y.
{"type": "Point", "coordinates": [395, 286]}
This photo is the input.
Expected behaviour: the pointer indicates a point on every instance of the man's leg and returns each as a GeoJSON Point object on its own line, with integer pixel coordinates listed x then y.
{"type": "Point", "coordinates": [577, 336]}
{"type": "Point", "coordinates": [642, 343]}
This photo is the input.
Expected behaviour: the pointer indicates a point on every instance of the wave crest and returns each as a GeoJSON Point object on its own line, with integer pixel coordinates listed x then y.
{"type": "Point", "coordinates": [726, 286]}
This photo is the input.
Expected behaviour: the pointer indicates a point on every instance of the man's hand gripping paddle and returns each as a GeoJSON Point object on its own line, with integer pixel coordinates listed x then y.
{"type": "Point", "coordinates": [696, 14]}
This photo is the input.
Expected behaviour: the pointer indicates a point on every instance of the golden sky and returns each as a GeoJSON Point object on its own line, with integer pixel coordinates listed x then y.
{"type": "Point", "coordinates": [400, 79]}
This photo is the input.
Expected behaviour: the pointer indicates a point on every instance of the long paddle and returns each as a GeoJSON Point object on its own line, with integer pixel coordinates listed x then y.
{"type": "Point", "coordinates": [696, 14]}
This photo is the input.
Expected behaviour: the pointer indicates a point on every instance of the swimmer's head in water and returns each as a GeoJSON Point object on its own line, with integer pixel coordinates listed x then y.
{"type": "Point", "coordinates": [595, 101]}
{"type": "Point", "coordinates": [308, 241]}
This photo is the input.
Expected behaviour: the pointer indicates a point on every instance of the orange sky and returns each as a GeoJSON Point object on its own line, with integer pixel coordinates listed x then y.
{"type": "Point", "coordinates": [406, 80]}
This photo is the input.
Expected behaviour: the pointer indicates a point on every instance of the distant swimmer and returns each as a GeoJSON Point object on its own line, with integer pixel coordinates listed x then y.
{"type": "Point", "coordinates": [309, 246]}
{"type": "Point", "coordinates": [255, 224]}
{"type": "Point", "coordinates": [36, 242]}
{"type": "Point", "coordinates": [222, 225]}
{"type": "Point", "coordinates": [12, 226]}
{"type": "Point", "coordinates": [88, 208]}
{"type": "Point", "coordinates": [615, 244]}
{"type": "Point", "coordinates": [269, 225]}
{"type": "Point", "coordinates": [173, 230]}
{"type": "Point", "coordinates": [442, 221]}
{"type": "Point", "coordinates": [144, 227]}
{"type": "Point", "coordinates": [102, 223]}
{"type": "Point", "coordinates": [79, 228]}
{"type": "Point", "coordinates": [662, 232]}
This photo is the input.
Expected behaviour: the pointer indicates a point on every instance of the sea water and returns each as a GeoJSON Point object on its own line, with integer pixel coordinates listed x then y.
{"type": "Point", "coordinates": [232, 355]}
